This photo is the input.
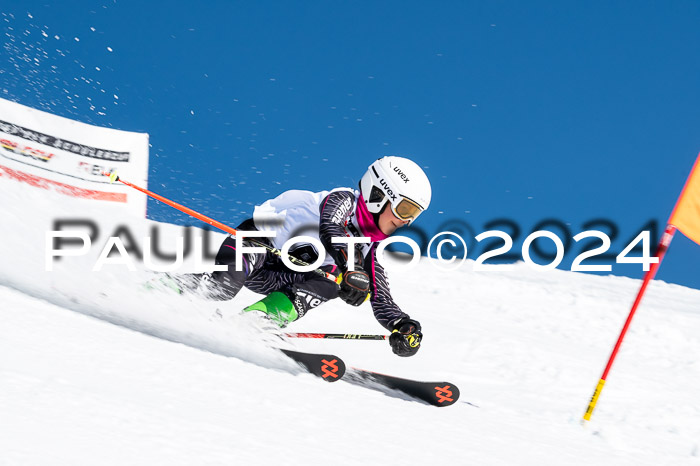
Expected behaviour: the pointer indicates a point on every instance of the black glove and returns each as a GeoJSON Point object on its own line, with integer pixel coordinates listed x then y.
{"type": "Point", "coordinates": [354, 289]}
{"type": "Point", "coordinates": [405, 337]}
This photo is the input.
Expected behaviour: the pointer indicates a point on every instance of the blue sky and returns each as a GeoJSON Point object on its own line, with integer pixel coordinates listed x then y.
{"type": "Point", "coordinates": [525, 111]}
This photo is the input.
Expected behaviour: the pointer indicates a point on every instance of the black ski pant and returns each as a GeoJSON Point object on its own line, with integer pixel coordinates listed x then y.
{"type": "Point", "coordinates": [264, 273]}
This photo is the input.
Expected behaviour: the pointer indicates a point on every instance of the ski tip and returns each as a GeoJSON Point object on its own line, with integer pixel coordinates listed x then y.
{"type": "Point", "coordinates": [445, 394]}
{"type": "Point", "coordinates": [332, 369]}
{"type": "Point", "coordinates": [326, 366]}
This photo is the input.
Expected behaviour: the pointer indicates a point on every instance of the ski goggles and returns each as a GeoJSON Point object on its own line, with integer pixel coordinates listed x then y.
{"type": "Point", "coordinates": [406, 209]}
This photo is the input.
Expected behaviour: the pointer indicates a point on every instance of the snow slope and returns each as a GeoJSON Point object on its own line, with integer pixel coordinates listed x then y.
{"type": "Point", "coordinates": [172, 384]}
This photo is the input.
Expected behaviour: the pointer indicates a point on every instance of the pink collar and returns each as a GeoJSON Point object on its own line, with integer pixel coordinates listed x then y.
{"type": "Point", "coordinates": [365, 220]}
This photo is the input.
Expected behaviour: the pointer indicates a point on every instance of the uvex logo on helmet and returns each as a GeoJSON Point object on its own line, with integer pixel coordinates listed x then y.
{"type": "Point", "coordinates": [401, 174]}
{"type": "Point", "coordinates": [388, 190]}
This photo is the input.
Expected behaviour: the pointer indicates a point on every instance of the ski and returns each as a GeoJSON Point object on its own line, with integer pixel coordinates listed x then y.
{"type": "Point", "coordinates": [326, 366]}
{"type": "Point", "coordinates": [435, 393]}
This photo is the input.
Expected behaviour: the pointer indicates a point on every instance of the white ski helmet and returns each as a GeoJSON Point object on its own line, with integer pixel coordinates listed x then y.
{"type": "Point", "coordinates": [399, 181]}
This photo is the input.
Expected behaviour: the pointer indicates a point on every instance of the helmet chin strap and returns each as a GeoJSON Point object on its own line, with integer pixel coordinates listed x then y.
{"type": "Point", "coordinates": [381, 211]}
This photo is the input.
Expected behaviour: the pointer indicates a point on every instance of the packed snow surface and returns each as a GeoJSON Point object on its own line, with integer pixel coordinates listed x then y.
{"type": "Point", "coordinates": [96, 370]}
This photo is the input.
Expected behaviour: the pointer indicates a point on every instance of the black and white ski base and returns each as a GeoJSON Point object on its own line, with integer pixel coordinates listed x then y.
{"type": "Point", "coordinates": [326, 366]}
{"type": "Point", "coordinates": [434, 393]}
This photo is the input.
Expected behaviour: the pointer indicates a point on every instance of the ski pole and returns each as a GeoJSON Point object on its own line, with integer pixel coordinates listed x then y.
{"type": "Point", "coordinates": [114, 177]}
{"type": "Point", "coordinates": [337, 336]}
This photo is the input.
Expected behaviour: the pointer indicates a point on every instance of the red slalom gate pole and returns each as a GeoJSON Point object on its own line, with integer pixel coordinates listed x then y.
{"type": "Point", "coordinates": [661, 251]}
{"type": "Point", "coordinates": [337, 336]}
{"type": "Point", "coordinates": [113, 177]}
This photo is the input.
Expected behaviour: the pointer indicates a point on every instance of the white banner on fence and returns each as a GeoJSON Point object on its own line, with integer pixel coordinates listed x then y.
{"type": "Point", "coordinates": [52, 152]}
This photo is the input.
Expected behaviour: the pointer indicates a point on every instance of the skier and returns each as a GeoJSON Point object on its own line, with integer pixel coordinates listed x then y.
{"type": "Point", "coordinates": [392, 193]}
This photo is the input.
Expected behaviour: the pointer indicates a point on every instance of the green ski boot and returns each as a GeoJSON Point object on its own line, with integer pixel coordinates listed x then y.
{"type": "Point", "coordinates": [277, 307]}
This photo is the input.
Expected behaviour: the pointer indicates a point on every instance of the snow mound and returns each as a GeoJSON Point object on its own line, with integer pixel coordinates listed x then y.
{"type": "Point", "coordinates": [525, 348]}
